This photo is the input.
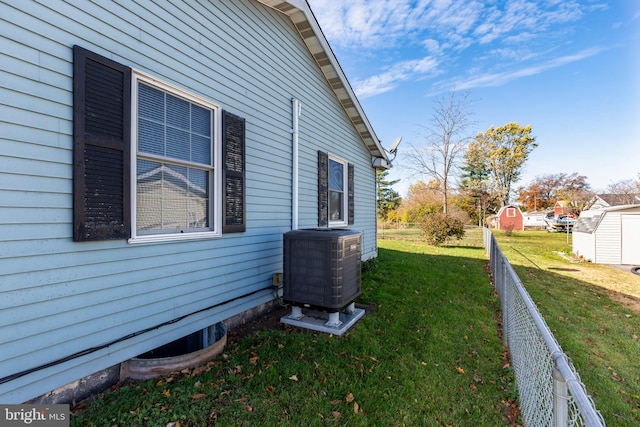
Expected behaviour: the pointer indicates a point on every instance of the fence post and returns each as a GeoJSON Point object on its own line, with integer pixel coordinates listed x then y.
{"type": "Point", "coordinates": [560, 399]}
{"type": "Point", "coordinates": [505, 300]}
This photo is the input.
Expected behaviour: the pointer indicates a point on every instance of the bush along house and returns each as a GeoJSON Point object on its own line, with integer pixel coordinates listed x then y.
{"type": "Point", "coordinates": [153, 155]}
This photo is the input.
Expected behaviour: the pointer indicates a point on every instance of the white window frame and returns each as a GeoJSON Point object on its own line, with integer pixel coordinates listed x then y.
{"type": "Point", "coordinates": [345, 192]}
{"type": "Point", "coordinates": [215, 180]}
{"type": "Point", "coordinates": [511, 212]}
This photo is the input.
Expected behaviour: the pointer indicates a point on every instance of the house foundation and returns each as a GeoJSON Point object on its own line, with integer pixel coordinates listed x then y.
{"type": "Point", "coordinates": [89, 386]}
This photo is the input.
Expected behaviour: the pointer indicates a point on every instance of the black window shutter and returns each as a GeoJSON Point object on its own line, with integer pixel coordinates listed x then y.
{"type": "Point", "coordinates": [323, 189]}
{"type": "Point", "coordinates": [233, 173]}
{"type": "Point", "coordinates": [350, 190]}
{"type": "Point", "coordinates": [101, 147]}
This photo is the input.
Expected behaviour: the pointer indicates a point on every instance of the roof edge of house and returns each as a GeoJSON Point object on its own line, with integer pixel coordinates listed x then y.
{"type": "Point", "coordinates": [305, 21]}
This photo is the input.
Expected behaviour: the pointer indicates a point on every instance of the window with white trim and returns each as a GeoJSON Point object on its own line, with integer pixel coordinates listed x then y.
{"type": "Point", "coordinates": [337, 191]}
{"type": "Point", "coordinates": [151, 162]}
{"type": "Point", "coordinates": [176, 144]}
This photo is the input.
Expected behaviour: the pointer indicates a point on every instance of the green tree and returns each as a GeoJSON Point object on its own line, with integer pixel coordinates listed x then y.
{"type": "Point", "coordinates": [475, 192]}
{"type": "Point", "coordinates": [501, 153]}
{"type": "Point", "coordinates": [387, 198]}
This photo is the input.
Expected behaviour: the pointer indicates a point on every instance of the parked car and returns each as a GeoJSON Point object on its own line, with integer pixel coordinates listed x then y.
{"type": "Point", "coordinates": [564, 222]}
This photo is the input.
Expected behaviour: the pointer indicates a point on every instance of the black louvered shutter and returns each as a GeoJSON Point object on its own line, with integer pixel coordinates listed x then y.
{"type": "Point", "coordinates": [101, 138]}
{"type": "Point", "coordinates": [233, 172]}
{"type": "Point", "coordinates": [350, 191]}
{"type": "Point", "coordinates": [323, 189]}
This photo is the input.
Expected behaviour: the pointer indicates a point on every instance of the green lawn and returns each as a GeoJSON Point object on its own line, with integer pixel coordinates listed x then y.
{"type": "Point", "coordinates": [427, 353]}
{"type": "Point", "coordinates": [594, 313]}
{"type": "Point", "coordinates": [411, 232]}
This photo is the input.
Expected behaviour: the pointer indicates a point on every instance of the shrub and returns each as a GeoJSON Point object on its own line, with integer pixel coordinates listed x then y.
{"type": "Point", "coordinates": [371, 264]}
{"type": "Point", "coordinates": [508, 229]}
{"type": "Point", "coordinates": [437, 228]}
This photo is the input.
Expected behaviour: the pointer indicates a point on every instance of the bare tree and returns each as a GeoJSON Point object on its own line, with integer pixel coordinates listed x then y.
{"type": "Point", "coordinates": [445, 141]}
{"type": "Point", "coordinates": [626, 190]}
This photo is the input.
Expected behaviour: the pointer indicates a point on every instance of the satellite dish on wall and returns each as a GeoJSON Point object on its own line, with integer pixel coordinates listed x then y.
{"type": "Point", "coordinates": [394, 145]}
{"type": "Point", "coordinates": [394, 149]}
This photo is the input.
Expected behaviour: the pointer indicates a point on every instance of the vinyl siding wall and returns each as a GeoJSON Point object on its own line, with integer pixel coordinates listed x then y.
{"type": "Point", "coordinates": [584, 245]}
{"type": "Point", "coordinates": [630, 239]}
{"type": "Point", "coordinates": [583, 237]}
{"type": "Point", "coordinates": [607, 239]}
{"type": "Point", "coordinates": [58, 297]}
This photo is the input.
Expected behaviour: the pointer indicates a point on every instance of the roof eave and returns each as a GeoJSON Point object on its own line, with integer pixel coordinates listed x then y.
{"type": "Point", "coordinates": [302, 17]}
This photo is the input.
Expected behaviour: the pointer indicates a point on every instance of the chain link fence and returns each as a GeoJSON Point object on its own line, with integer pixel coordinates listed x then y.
{"type": "Point", "coordinates": [399, 231]}
{"type": "Point", "coordinates": [411, 231]}
{"type": "Point", "coordinates": [550, 392]}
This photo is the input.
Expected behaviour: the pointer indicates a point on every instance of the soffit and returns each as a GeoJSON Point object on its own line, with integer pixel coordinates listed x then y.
{"type": "Point", "coordinates": [302, 17]}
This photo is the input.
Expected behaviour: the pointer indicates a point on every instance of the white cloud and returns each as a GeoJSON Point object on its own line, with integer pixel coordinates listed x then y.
{"type": "Point", "coordinates": [432, 46]}
{"type": "Point", "coordinates": [385, 23]}
{"type": "Point", "coordinates": [361, 22]}
{"type": "Point", "coordinates": [499, 79]}
{"type": "Point", "coordinates": [402, 71]}
{"type": "Point", "coordinates": [492, 33]}
{"type": "Point", "coordinates": [458, 24]}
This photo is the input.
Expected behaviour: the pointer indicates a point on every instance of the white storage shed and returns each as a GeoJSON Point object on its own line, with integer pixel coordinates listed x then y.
{"type": "Point", "coordinates": [609, 235]}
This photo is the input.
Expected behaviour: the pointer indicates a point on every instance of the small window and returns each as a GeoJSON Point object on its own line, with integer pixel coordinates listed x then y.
{"type": "Point", "coordinates": [175, 170]}
{"type": "Point", "coordinates": [511, 212]}
{"type": "Point", "coordinates": [337, 191]}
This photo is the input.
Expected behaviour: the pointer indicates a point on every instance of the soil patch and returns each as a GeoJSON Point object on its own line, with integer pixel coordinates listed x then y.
{"type": "Point", "coordinates": [629, 301]}
{"type": "Point", "coordinates": [266, 321]}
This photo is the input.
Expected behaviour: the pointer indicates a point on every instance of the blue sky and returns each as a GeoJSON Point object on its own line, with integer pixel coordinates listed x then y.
{"type": "Point", "coordinates": [569, 68]}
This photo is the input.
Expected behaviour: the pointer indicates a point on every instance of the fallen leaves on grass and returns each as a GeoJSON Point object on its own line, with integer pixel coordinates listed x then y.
{"type": "Point", "coordinates": [253, 360]}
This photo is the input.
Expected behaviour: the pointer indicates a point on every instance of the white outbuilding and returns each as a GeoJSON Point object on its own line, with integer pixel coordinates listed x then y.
{"type": "Point", "coordinates": [609, 236]}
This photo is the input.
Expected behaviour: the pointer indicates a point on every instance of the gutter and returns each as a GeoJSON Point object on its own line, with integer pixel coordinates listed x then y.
{"type": "Point", "coordinates": [296, 112]}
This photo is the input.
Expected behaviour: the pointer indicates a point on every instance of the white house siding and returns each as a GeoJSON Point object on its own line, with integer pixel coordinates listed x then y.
{"type": "Point", "coordinates": [533, 220]}
{"type": "Point", "coordinates": [583, 236]}
{"type": "Point", "coordinates": [607, 247]}
{"type": "Point", "coordinates": [58, 297]}
{"type": "Point", "coordinates": [584, 245]}
{"type": "Point", "coordinates": [613, 235]}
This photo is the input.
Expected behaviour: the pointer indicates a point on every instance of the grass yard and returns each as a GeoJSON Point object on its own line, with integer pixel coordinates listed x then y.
{"type": "Point", "coordinates": [594, 313]}
{"type": "Point", "coordinates": [427, 353]}
{"type": "Point", "coordinates": [411, 232]}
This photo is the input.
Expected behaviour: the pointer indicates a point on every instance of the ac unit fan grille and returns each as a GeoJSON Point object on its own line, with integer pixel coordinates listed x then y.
{"type": "Point", "coordinates": [322, 267]}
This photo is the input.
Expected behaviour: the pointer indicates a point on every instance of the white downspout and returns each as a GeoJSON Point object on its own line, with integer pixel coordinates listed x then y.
{"type": "Point", "coordinates": [296, 112]}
